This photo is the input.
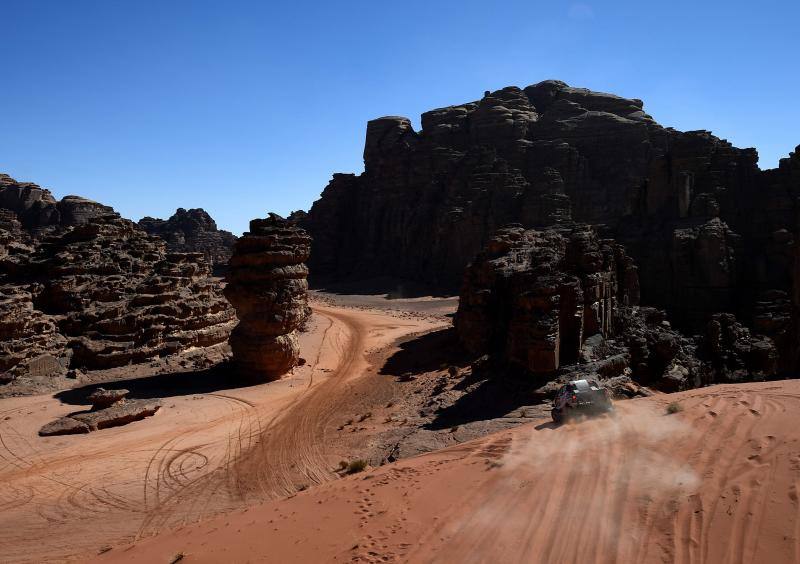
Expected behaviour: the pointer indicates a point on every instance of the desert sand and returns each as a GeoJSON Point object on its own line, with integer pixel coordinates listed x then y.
{"type": "Point", "coordinates": [228, 473]}
{"type": "Point", "coordinates": [716, 482]}
{"type": "Point", "coordinates": [207, 451]}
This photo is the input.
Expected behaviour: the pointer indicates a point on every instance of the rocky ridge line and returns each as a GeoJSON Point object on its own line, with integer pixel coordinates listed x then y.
{"type": "Point", "coordinates": [84, 288]}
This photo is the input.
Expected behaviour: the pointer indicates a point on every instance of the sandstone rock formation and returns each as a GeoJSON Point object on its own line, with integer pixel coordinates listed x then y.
{"type": "Point", "coordinates": [563, 304]}
{"type": "Point", "coordinates": [709, 231]}
{"type": "Point", "coordinates": [84, 288]}
{"type": "Point", "coordinates": [38, 211]}
{"type": "Point", "coordinates": [102, 398]}
{"type": "Point", "coordinates": [193, 231]}
{"type": "Point", "coordinates": [110, 408]}
{"type": "Point", "coordinates": [266, 283]}
{"type": "Point", "coordinates": [533, 296]}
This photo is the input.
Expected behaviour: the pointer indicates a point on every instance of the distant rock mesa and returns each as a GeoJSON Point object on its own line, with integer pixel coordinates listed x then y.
{"type": "Point", "coordinates": [193, 231]}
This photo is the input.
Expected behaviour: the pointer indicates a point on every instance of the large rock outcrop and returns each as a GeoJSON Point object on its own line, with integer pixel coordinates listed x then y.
{"type": "Point", "coordinates": [533, 297]}
{"type": "Point", "coordinates": [84, 288]}
{"type": "Point", "coordinates": [562, 303]}
{"type": "Point", "coordinates": [266, 283]}
{"type": "Point", "coordinates": [709, 231]}
{"type": "Point", "coordinates": [39, 212]}
{"type": "Point", "coordinates": [193, 231]}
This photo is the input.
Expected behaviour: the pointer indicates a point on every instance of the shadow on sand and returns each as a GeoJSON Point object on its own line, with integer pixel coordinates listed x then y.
{"type": "Point", "coordinates": [490, 391]}
{"type": "Point", "coordinates": [432, 351]}
{"type": "Point", "coordinates": [220, 377]}
{"type": "Point", "coordinates": [489, 395]}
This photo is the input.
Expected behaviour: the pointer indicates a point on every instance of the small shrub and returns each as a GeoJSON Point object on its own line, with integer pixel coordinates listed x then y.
{"type": "Point", "coordinates": [452, 371]}
{"type": "Point", "coordinates": [177, 558]}
{"type": "Point", "coordinates": [365, 417]}
{"type": "Point", "coordinates": [343, 465]}
{"type": "Point", "coordinates": [356, 466]}
{"type": "Point", "coordinates": [674, 407]}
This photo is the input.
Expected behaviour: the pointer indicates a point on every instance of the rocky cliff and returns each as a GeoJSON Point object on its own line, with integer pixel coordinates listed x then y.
{"type": "Point", "coordinates": [532, 296]}
{"type": "Point", "coordinates": [83, 287]}
{"type": "Point", "coordinates": [266, 283]}
{"type": "Point", "coordinates": [193, 231]}
{"type": "Point", "coordinates": [709, 231]}
{"type": "Point", "coordinates": [563, 303]}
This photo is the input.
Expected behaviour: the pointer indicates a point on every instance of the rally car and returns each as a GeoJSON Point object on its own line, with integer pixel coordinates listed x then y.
{"type": "Point", "coordinates": [580, 396]}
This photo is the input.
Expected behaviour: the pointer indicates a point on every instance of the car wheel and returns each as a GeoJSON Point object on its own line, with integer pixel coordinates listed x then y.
{"type": "Point", "coordinates": [558, 417]}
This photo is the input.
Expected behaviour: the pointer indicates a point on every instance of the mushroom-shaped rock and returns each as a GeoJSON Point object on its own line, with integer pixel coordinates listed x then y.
{"type": "Point", "coordinates": [267, 286]}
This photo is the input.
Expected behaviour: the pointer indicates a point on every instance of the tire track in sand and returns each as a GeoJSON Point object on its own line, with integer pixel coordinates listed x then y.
{"type": "Point", "coordinates": [293, 447]}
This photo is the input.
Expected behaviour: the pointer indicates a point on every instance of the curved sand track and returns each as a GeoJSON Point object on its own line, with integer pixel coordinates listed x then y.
{"type": "Point", "coordinates": [202, 454]}
{"type": "Point", "coordinates": [717, 482]}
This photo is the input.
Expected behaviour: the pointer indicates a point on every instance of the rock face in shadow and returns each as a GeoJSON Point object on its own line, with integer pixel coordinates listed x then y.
{"type": "Point", "coordinates": [533, 297]}
{"type": "Point", "coordinates": [709, 231]}
{"type": "Point", "coordinates": [562, 303]}
{"type": "Point", "coordinates": [193, 231]}
{"type": "Point", "coordinates": [84, 288]}
{"type": "Point", "coordinates": [266, 283]}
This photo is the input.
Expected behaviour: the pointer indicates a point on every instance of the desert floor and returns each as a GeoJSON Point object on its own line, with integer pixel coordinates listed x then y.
{"type": "Point", "coordinates": [234, 473]}
{"type": "Point", "coordinates": [210, 449]}
{"type": "Point", "coordinates": [716, 482]}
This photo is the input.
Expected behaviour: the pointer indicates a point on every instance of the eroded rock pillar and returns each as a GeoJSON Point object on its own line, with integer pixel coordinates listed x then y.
{"type": "Point", "coordinates": [268, 288]}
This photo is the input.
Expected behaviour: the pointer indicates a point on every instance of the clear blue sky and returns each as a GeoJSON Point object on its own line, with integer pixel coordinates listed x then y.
{"type": "Point", "coordinates": [247, 107]}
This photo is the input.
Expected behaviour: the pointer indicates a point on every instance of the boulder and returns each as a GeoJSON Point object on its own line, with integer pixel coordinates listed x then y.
{"type": "Point", "coordinates": [114, 415]}
{"type": "Point", "coordinates": [102, 398]}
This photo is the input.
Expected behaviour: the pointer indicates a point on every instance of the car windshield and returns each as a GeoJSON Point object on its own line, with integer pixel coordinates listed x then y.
{"type": "Point", "coordinates": [582, 386]}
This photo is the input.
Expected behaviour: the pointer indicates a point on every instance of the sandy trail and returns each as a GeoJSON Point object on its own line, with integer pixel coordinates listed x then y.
{"type": "Point", "coordinates": [716, 482]}
{"type": "Point", "coordinates": [202, 454]}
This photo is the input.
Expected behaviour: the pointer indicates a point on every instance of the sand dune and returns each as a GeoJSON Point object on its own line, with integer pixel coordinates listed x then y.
{"type": "Point", "coordinates": [716, 482]}
{"type": "Point", "coordinates": [208, 451]}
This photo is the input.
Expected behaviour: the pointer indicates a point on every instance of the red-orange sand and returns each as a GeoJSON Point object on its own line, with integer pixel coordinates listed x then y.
{"type": "Point", "coordinates": [202, 454]}
{"type": "Point", "coordinates": [715, 482]}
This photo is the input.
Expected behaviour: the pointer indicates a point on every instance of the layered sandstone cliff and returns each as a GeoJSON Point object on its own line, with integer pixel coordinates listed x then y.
{"type": "Point", "coordinates": [193, 231]}
{"type": "Point", "coordinates": [84, 288]}
{"type": "Point", "coordinates": [266, 283]}
{"type": "Point", "coordinates": [562, 303]}
{"type": "Point", "coordinates": [709, 231]}
{"type": "Point", "coordinates": [534, 296]}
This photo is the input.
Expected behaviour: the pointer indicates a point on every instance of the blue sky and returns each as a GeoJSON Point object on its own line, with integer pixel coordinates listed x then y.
{"type": "Point", "coordinates": [247, 107]}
